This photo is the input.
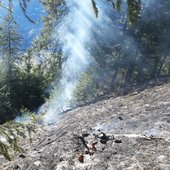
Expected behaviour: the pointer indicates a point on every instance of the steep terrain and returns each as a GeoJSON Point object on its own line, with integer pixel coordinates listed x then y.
{"type": "Point", "coordinates": [130, 132]}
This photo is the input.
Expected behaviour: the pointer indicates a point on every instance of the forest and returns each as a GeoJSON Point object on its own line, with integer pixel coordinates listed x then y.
{"type": "Point", "coordinates": [136, 51]}
{"type": "Point", "coordinates": [85, 49]}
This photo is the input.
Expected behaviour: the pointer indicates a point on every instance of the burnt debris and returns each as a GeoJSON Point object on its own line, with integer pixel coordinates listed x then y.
{"type": "Point", "coordinates": [87, 143]}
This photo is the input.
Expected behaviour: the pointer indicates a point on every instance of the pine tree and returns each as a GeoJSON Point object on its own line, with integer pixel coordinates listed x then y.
{"type": "Point", "coordinates": [9, 50]}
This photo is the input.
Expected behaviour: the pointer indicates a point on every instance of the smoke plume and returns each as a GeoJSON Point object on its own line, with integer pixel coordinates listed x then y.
{"type": "Point", "coordinates": [79, 33]}
{"type": "Point", "coordinates": [74, 33]}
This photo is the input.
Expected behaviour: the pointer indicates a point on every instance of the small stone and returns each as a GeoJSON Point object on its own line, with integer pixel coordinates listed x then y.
{"type": "Point", "coordinates": [94, 146]}
{"type": "Point", "coordinates": [85, 134]}
{"type": "Point", "coordinates": [86, 152]}
{"type": "Point", "coordinates": [103, 136]}
{"type": "Point", "coordinates": [162, 159]}
{"type": "Point", "coordinates": [81, 158]}
{"type": "Point", "coordinates": [16, 167]}
{"type": "Point", "coordinates": [118, 140]}
{"type": "Point", "coordinates": [22, 156]}
{"type": "Point", "coordinates": [61, 159]}
{"type": "Point", "coordinates": [103, 141]}
{"type": "Point", "coordinates": [120, 118]}
{"type": "Point", "coordinates": [37, 163]}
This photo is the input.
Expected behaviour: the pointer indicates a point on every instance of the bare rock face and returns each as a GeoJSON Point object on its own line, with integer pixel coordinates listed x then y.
{"type": "Point", "coordinates": [129, 132]}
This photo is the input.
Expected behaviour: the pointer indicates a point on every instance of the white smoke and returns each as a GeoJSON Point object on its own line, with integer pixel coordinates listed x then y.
{"type": "Point", "coordinates": [74, 33]}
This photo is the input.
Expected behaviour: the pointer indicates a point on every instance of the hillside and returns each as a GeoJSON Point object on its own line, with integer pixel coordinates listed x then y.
{"type": "Point", "coordinates": [130, 132]}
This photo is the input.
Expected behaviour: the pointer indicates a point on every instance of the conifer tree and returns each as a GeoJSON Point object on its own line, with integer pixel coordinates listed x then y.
{"type": "Point", "coordinates": [9, 50]}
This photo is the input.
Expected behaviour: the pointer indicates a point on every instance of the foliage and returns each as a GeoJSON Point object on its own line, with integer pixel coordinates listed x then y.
{"type": "Point", "coordinates": [95, 8]}
{"type": "Point", "coordinates": [91, 85]}
{"type": "Point", "coordinates": [24, 127]}
{"type": "Point", "coordinates": [139, 53]}
{"type": "Point", "coordinates": [134, 8]}
{"type": "Point", "coordinates": [84, 89]}
{"type": "Point", "coordinates": [9, 48]}
{"type": "Point", "coordinates": [29, 86]}
{"type": "Point", "coordinates": [10, 133]}
{"type": "Point", "coordinates": [30, 117]}
{"type": "Point", "coordinates": [22, 83]}
{"type": "Point", "coordinates": [23, 6]}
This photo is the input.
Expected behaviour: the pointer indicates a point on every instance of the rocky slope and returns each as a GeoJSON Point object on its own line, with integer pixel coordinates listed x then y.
{"type": "Point", "coordinates": [130, 132]}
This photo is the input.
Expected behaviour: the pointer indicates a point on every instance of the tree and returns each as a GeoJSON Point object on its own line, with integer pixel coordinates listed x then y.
{"type": "Point", "coordinates": [30, 84]}
{"type": "Point", "coordinates": [9, 50]}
